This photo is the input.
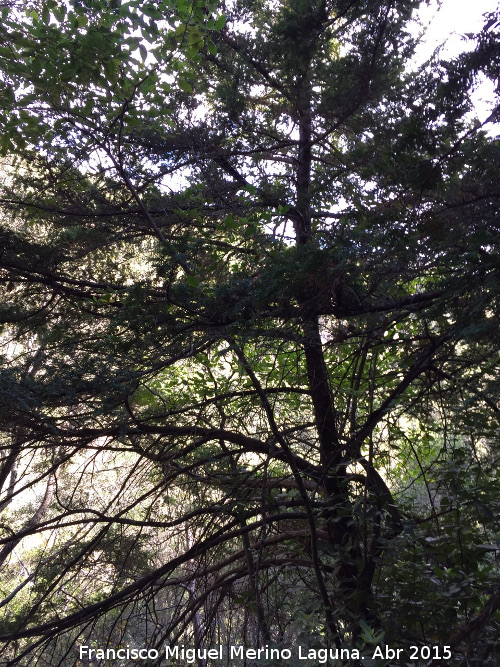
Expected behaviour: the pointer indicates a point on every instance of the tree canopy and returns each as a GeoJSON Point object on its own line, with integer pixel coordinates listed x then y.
{"type": "Point", "coordinates": [250, 296]}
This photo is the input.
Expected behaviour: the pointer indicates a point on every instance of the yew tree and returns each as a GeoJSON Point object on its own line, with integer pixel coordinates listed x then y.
{"type": "Point", "coordinates": [249, 276]}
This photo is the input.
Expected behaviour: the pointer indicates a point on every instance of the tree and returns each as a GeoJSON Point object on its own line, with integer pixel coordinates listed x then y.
{"type": "Point", "coordinates": [249, 328]}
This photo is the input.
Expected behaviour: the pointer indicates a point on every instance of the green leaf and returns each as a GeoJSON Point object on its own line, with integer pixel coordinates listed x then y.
{"type": "Point", "coordinates": [220, 22]}
{"type": "Point", "coordinates": [185, 86]}
{"type": "Point", "coordinates": [82, 21]}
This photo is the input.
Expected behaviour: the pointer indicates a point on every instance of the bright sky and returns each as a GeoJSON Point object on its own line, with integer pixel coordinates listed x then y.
{"type": "Point", "coordinates": [454, 19]}
{"type": "Point", "coordinates": [447, 26]}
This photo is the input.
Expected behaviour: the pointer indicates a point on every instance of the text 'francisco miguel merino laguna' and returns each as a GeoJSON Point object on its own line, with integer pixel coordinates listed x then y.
{"type": "Point", "coordinates": [191, 655]}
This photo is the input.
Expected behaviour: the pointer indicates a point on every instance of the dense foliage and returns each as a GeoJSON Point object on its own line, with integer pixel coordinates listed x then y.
{"type": "Point", "coordinates": [249, 314]}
